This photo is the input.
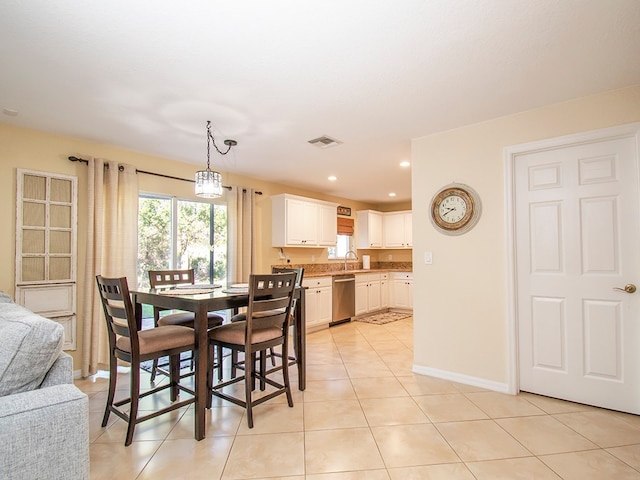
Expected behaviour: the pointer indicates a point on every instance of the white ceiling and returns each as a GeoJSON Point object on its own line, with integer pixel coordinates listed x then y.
{"type": "Point", "coordinates": [147, 75]}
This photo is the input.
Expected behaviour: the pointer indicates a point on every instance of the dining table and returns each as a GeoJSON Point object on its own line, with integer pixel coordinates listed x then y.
{"type": "Point", "coordinates": [202, 301]}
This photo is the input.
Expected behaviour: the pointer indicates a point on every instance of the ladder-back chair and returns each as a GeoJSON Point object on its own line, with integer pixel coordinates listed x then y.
{"type": "Point", "coordinates": [128, 344]}
{"type": "Point", "coordinates": [266, 326]}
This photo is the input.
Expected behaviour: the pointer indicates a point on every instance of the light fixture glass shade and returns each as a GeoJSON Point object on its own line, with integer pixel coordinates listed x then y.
{"type": "Point", "coordinates": [208, 184]}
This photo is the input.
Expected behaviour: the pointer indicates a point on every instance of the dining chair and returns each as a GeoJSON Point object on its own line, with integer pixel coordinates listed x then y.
{"type": "Point", "coordinates": [266, 326]}
{"type": "Point", "coordinates": [128, 344]}
{"type": "Point", "coordinates": [164, 279]}
{"type": "Point", "coordinates": [272, 353]}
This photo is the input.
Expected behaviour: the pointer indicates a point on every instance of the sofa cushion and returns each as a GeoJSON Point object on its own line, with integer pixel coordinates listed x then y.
{"type": "Point", "coordinates": [4, 298]}
{"type": "Point", "coordinates": [30, 345]}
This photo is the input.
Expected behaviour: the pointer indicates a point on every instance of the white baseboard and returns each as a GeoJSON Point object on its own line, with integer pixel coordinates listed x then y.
{"type": "Point", "coordinates": [460, 378]}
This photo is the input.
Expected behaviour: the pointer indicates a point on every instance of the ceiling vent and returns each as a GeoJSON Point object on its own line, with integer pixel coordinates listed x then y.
{"type": "Point", "coordinates": [324, 142]}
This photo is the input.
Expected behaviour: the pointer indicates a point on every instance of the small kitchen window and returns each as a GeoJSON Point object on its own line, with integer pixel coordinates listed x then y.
{"type": "Point", "coordinates": [344, 241]}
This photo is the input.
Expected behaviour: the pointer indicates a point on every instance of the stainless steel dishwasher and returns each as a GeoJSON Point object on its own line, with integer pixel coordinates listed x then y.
{"type": "Point", "coordinates": [343, 298]}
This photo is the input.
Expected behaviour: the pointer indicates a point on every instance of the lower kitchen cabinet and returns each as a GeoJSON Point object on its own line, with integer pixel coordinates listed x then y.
{"type": "Point", "coordinates": [368, 296]}
{"type": "Point", "coordinates": [318, 301]}
{"type": "Point", "coordinates": [402, 290]}
{"type": "Point", "coordinates": [384, 291]}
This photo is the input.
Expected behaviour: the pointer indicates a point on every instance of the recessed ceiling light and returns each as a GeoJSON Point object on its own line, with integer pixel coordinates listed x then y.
{"type": "Point", "coordinates": [405, 163]}
{"type": "Point", "coordinates": [392, 194]}
{"type": "Point", "coordinates": [332, 178]}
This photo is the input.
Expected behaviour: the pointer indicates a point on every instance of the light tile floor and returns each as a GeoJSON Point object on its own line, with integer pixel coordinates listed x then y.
{"type": "Point", "coordinates": [365, 415]}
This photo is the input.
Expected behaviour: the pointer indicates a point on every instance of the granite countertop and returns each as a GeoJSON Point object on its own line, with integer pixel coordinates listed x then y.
{"type": "Point", "coordinates": [333, 269]}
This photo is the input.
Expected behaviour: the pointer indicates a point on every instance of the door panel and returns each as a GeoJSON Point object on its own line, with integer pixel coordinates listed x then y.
{"type": "Point", "coordinates": [577, 232]}
{"type": "Point", "coordinates": [549, 339]}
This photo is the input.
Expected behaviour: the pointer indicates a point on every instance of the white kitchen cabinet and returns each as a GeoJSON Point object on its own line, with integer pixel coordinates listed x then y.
{"type": "Point", "coordinates": [368, 296]}
{"type": "Point", "coordinates": [302, 222]}
{"type": "Point", "coordinates": [369, 229]}
{"type": "Point", "coordinates": [318, 301]}
{"type": "Point", "coordinates": [402, 290]}
{"type": "Point", "coordinates": [327, 225]}
{"type": "Point", "coordinates": [397, 227]}
{"type": "Point", "coordinates": [384, 291]}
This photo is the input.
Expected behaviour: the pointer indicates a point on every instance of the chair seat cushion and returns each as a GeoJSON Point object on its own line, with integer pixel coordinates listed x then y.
{"type": "Point", "coordinates": [159, 339]}
{"type": "Point", "coordinates": [233, 333]}
{"type": "Point", "coordinates": [186, 319]}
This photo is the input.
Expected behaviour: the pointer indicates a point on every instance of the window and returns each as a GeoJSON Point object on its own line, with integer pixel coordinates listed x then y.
{"type": "Point", "coordinates": [344, 240]}
{"type": "Point", "coordinates": [343, 245]}
{"type": "Point", "coordinates": [181, 234]}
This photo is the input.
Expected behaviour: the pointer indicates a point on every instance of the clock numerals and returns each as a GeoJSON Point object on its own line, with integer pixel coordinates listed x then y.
{"type": "Point", "coordinates": [452, 209]}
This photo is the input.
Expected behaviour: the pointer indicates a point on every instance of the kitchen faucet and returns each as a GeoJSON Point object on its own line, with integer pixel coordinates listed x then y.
{"type": "Point", "coordinates": [346, 255]}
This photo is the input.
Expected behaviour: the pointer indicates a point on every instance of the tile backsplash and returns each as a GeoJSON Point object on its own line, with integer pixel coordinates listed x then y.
{"type": "Point", "coordinates": [314, 268]}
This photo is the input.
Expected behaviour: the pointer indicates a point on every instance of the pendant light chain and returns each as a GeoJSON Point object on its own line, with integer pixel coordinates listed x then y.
{"type": "Point", "coordinates": [208, 143]}
{"type": "Point", "coordinates": [228, 143]}
{"type": "Point", "coordinates": [208, 182]}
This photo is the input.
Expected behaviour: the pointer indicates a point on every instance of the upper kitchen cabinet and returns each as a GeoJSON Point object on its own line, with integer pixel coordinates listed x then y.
{"type": "Point", "coordinates": [303, 222]}
{"type": "Point", "coordinates": [369, 229]}
{"type": "Point", "coordinates": [384, 230]}
{"type": "Point", "coordinates": [397, 227]}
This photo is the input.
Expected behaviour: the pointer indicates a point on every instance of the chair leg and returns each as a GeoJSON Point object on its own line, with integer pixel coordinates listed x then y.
{"type": "Point", "coordinates": [154, 370]}
{"type": "Point", "coordinates": [295, 345]}
{"type": "Point", "coordinates": [113, 374]}
{"type": "Point", "coordinates": [174, 375]}
{"type": "Point", "coordinates": [285, 374]}
{"type": "Point", "coordinates": [135, 399]}
{"type": "Point", "coordinates": [249, 381]}
{"type": "Point", "coordinates": [154, 367]}
{"type": "Point", "coordinates": [263, 368]}
{"type": "Point", "coordinates": [234, 363]}
{"type": "Point", "coordinates": [211, 366]}
{"type": "Point", "coordinates": [273, 356]}
{"type": "Point", "coordinates": [220, 358]}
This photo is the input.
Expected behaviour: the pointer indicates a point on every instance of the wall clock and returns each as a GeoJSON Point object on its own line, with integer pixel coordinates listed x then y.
{"type": "Point", "coordinates": [455, 209]}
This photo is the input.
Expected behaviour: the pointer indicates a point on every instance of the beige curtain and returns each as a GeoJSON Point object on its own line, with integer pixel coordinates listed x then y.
{"type": "Point", "coordinates": [112, 243]}
{"type": "Point", "coordinates": [241, 249]}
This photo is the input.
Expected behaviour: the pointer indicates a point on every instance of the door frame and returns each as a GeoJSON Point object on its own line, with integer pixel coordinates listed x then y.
{"type": "Point", "coordinates": [511, 155]}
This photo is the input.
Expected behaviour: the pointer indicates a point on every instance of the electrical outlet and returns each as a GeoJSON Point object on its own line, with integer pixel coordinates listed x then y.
{"type": "Point", "coordinates": [313, 258]}
{"type": "Point", "coordinates": [428, 258]}
{"type": "Point", "coordinates": [390, 257]}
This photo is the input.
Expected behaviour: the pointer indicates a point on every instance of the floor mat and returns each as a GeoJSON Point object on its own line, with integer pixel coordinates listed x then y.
{"type": "Point", "coordinates": [382, 318]}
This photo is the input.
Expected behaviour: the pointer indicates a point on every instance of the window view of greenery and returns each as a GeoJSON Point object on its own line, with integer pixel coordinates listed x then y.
{"type": "Point", "coordinates": [179, 234]}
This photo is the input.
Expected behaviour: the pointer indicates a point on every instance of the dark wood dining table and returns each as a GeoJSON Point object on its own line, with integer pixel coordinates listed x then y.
{"type": "Point", "coordinates": [216, 300]}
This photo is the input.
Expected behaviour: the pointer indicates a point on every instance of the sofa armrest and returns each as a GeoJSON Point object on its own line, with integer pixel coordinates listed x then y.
{"type": "Point", "coordinates": [44, 434]}
{"type": "Point", "coordinates": [61, 371]}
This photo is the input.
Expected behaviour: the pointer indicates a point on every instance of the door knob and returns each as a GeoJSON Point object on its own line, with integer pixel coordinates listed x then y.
{"type": "Point", "coordinates": [629, 288]}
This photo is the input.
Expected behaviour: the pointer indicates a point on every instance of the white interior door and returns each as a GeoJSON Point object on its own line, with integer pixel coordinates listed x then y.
{"type": "Point", "coordinates": [577, 237]}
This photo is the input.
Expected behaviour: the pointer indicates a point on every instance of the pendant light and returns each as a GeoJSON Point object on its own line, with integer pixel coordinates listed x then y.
{"type": "Point", "coordinates": [209, 182]}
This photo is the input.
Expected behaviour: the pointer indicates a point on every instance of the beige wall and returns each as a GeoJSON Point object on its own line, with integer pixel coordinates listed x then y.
{"type": "Point", "coordinates": [460, 304]}
{"type": "Point", "coordinates": [34, 150]}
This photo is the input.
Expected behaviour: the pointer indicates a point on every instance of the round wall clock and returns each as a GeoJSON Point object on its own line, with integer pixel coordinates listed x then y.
{"type": "Point", "coordinates": [455, 209]}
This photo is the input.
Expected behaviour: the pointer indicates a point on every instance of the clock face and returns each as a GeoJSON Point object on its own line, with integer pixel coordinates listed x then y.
{"type": "Point", "coordinates": [455, 209]}
{"type": "Point", "coordinates": [452, 209]}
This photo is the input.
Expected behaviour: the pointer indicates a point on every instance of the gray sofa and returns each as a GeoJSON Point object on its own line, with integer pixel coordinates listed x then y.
{"type": "Point", "coordinates": [44, 417]}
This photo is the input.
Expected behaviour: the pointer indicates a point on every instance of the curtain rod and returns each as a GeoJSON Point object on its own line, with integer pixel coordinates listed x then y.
{"type": "Point", "coordinates": [82, 160]}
